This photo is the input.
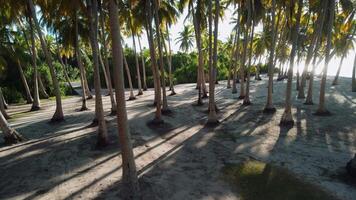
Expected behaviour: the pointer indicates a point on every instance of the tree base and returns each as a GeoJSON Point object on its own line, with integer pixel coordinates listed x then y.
{"type": "Point", "coordinates": [269, 110]}
{"type": "Point", "coordinates": [172, 93]}
{"type": "Point", "coordinates": [228, 87]}
{"type": "Point", "coordinates": [94, 123]}
{"type": "Point", "coordinates": [35, 108]}
{"type": "Point", "coordinates": [212, 123]}
{"type": "Point", "coordinates": [113, 112]}
{"type": "Point", "coordinates": [322, 113]}
{"type": "Point", "coordinates": [246, 103]}
{"type": "Point", "coordinates": [90, 97]}
{"type": "Point", "coordinates": [241, 97]}
{"type": "Point", "coordinates": [286, 123]}
{"type": "Point", "coordinates": [13, 138]}
{"type": "Point", "coordinates": [154, 123]}
{"type": "Point", "coordinates": [199, 102]}
{"type": "Point", "coordinates": [234, 91]}
{"type": "Point", "coordinates": [83, 108]}
{"type": "Point", "coordinates": [101, 143]}
{"type": "Point", "coordinates": [131, 98]}
{"type": "Point", "coordinates": [205, 96]}
{"type": "Point", "coordinates": [29, 101]}
{"type": "Point", "coordinates": [139, 93]}
{"type": "Point", "coordinates": [56, 119]}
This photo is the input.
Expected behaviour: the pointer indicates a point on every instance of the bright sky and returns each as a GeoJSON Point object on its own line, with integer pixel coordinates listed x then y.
{"type": "Point", "coordinates": [225, 29]}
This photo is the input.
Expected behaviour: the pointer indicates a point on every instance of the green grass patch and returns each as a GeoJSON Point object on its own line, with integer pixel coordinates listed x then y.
{"type": "Point", "coordinates": [256, 180]}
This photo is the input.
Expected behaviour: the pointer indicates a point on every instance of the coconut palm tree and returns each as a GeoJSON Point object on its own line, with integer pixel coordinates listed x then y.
{"type": "Point", "coordinates": [2, 106]}
{"type": "Point", "coordinates": [287, 118]}
{"type": "Point", "coordinates": [128, 75]}
{"type": "Point", "coordinates": [143, 65]}
{"type": "Point", "coordinates": [354, 76]}
{"type": "Point", "coordinates": [185, 38]}
{"type": "Point", "coordinates": [129, 174]}
{"type": "Point", "coordinates": [92, 11]}
{"type": "Point", "coordinates": [58, 115]}
{"type": "Point", "coordinates": [36, 104]}
{"type": "Point", "coordinates": [330, 20]}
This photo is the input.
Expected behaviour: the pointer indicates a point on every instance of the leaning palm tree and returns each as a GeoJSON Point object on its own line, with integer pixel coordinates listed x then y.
{"type": "Point", "coordinates": [2, 106]}
{"type": "Point", "coordinates": [330, 20]}
{"type": "Point", "coordinates": [58, 115]}
{"type": "Point", "coordinates": [129, 174]}
{"type": "Point", "coordinates": [185, 38]}
{"type": "Point", "coordinates": [99, 111]}
{"type": "Point", "coordinates": [36, 104]}
{"type": "Point", "coordinates": [354, 76]}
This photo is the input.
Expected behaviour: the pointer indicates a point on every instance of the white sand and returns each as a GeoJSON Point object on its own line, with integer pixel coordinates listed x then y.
{"type": "Point", "coordinates": [182, 160]}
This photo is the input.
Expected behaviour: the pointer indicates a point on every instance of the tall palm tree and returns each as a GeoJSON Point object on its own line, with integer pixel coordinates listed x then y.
{"type": "Point", "coordinates": [58, 115]}
{"type": "Point", "coordinates": [354, 76]}
{"type": "Point", "coordinates": [330, 20]}
{"type": "Point", "coordinates": [143, 65]}
{"type": "Point", "coordinates": [287, 118]}
{"type": "Point", "coordinates": [2, 106]}
{"type": "Point", "coordinates": [99, 111]}
{"type": "Point", "coordinates": [36, 104]}
{"type": "Point", "coordinates": [212, 117]}
{"type": "Point", "coordinates": [269, 108]}
{"type": "Point", "coordinates": [129, 174]}
{"type": "Point", "coordinates": [250, 25]}
{"type": "Point", "coordinates": [237, 50]}
{"type": "Point", "coordinates": [128, 75]}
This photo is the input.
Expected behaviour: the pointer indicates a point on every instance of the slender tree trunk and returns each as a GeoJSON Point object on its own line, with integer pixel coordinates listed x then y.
{"type": "Point", "coordinates": [5, 104]}
{"type": "Point", "coordinates": [169, 54]}
{"type": "Point", "coordinates": [128, 74]}
{"type": "Point", "coordinates": [136, 61]}
{"type": "Point", "coordinates": [335, 81]}
{"type": "Point", "coordinates": [309, 99]}
{"type": "Point", "coordinates": [269, 108]}
{"type": "Point", "coordinates": [165, 108]}
{"type": "Point", "coordinates": [80, 65]}
{"type": "Point", "coordinates": [287, 118]}
{"type": "Point", "coordinates": [11, 136]}
{"type": "Point", "coordinates": [129, 174]}
{"type": "Point", "coordinates": [36, 104]}
{"type": "Point", "coordinates": [354, 76]}
{"type": "Point", "coordinates": [42, 89]}
{"type": "Point", "coordinates": [2, 106]}
{"type": "Point", "coordinates": [58, 115]}
{"type": "Point", "coordinates": [29, 98]}
{"type": "Point", "coordinates": [247, 100]}
{"type": "Point", "coordinates": [99, 111]}
{"type": "Point", "coordinates": [86, 85]}
{"type": "Point", "coordinates": [213, 58]}
{"type": "Point", "coordinates": [101, 63]}
{"type": "Point", "coordinates": [322, 108]}
{"type": "Point", "coordinates": [169, 67]}
{"type": "Point", "coordinates": [143, 66]}
{"type": "Point", "coordinates": [238, 29]}
{"type": "Point", "coordinates": [158, 100]}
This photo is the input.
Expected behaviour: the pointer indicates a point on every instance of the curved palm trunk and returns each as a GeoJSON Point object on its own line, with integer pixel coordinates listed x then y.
{"type": "Point", "coordinates": [106, 63]}
{"type": "Point", "coordinates": [103, 69]}
{"type": "Point", "coordinates": [212, 117]}
{"type": "Point", "coordinates": [80, 65]}
{"type": "Point", "coordinates": [354, 76]}
{"type": "Point", "coordinates": [322, 108]}
{"type": "Point", "coordinates": [129, 174]}
{"type": "Point", "coordinates": [165, 108]}
{"type": "Point", "coordinates": [102, 139]}
{"type": "Point", "coordinates": [29, 98]}
{"type": "Point", "coordinates": [128, 74]}
{"type": "Point", "coordinates": [58, 115]}
{"type": "Point", "coordinates": [143, 66]}
{"type": "Point", "coordinates": [2, 106]}
{"type": "Point", "coordinates": [36, 104]}
{"type": "Point", "coordinates": [287, 118]}
{"type": "Point", "coordinates": [335, 81]}
{"type": "Point", "coordinates": [42, 89]}
{"type": "Point", "coordinates": [269, 108]}
{"type": "Point", "coordinates": [11, 136]}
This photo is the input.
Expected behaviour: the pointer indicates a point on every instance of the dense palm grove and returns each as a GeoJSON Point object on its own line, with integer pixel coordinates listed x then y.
{"type": "Point", "coordinates": [48, 44]}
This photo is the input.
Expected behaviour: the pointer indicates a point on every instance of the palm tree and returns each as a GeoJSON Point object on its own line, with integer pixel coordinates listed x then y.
{"type": "Point", "coordinates": [249, 25]}
{"type": "Point", "coordinates": [269, 108]}
{"type": "Point", "coordinates": [169, 58]}
{"type": "Point", "coordinates": [237, 50]}
{"type": "Point", "coordinates": [185, 38]}
{"type": "Point", "coordinates": [36, 104]}
{"type": "Point", "coordinates": [128, 74]}
{"type": "Point", "coordinates": [330, 20]}
{"type": "Point", "coordinates": [212, 117]}
{"type": "Point", "coordinates": [143, 65]}
{"type": "Point", "coordinates": [287, 118]}
{"type": "Point", "coordinates": [129, 174]}
{"type": "Point", "coordinates": [354, 76]}
{"type": "Point", "coordinates": [99, 112]}
{"type": "Point", "coordinates": [2, 106]}
{"type": "Point", "coordinates": [58, 115]}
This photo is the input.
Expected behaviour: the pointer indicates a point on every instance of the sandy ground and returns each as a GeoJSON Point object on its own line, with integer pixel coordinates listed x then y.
{"type": "Point", "coordinates": [183, 159]}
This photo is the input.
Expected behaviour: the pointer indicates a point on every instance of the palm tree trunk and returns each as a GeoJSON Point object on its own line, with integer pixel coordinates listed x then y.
{"type": "Point", "coordinates": [106, 63]}
{"type": "Point", "coordinates": [247, 100]}
{"type": "Point", "coordinates": [42, 89]}
{"type": "Point", "coordinates": [165, 108]}
{"type": "Point", "coordinates": [2, 106]}
{"type": "Point", "coordinates": [129, 174]}
{"type": "Point", "coordinates": [29, 98]}
{"type": "Point", "coordinates": [65, 72]}
{"type": "Point", "coordinates": [335, 81]}
{"type": "Point", "coordinates": [157, 82]}
{"type": "Point", "coordinates": [309, 99]}
{"type": "Point", "coordinates": [169, 54]}
{"type": "Point", "coordinates": [79, 63]}
{"type": "Point", "coordinates": [143, 66]}
{"type": "Point", "coordinates": [136, 61]}
{"type": "Point", "coordinates": [269, 108]}
{"type": "Point", "coordinates": [354, 76]}
{"type": "Point", "coordinates": [213, 58]}
{"type": "Point", "coordinates": [99, 111]}
{"type": "Point", "coordinates": [322, 108]}
{"type": "Point", "coordinates": [58, 115]}
{"type": "Point", "coordinates": [36, 104]}
{"type": "Point", "coordinates": [11, 136]}
{"type": "Point", "coordinates": [236, 54]}
{"type": "Point", "coordinates": [101, 61]}
{"type": "Point", "coordinates": [128, 74]}
{"type": "Point", "coordinates": [287, 118]}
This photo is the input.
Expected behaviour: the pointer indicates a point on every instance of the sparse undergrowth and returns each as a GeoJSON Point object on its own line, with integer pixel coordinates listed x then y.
{"type": "Point", "coordinates": [256, 180]}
